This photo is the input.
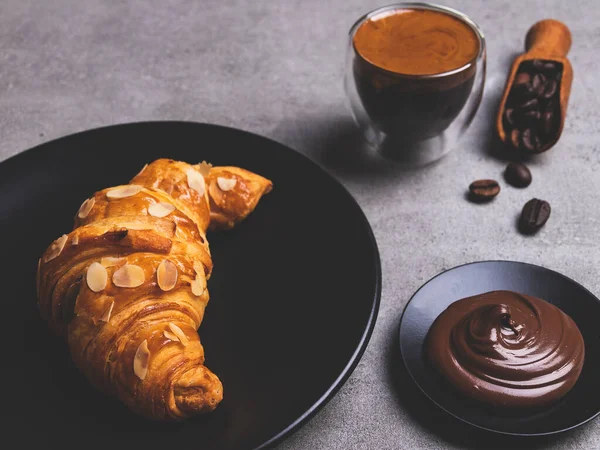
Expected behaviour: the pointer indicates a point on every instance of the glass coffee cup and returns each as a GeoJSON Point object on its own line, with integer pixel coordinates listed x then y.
{"type": "Point", "coordinates": [414, 79]}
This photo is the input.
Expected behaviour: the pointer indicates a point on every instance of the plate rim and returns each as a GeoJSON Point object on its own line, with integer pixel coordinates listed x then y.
{"type": "Point", "coordinates": [504, 261]}
{"type": "Point", "coordinates": [367, 333]}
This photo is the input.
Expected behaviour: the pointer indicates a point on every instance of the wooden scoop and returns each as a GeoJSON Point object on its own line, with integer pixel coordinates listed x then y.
{"type": "Point", "coordinates": [549, 41]}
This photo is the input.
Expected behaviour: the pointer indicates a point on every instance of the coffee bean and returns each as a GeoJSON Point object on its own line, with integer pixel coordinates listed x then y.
{"type": "Point", "coordinates": [518, 175]}
{"type": "Point", "coordinates": [537, 63]}
{"type": "Point", "coordinates": [533, 115]}
{"type": "Point", "coordinates": [545, 66]}
{"type": "Point", "coordinates": [547, 122]}
{"type": "Point", "coordinates": [532, 106]}
{"type": "Point", "coordinates": [530, 140]}
{"type": "Point", "coordinates": [534, 215]}
{"type": "Point", "coordinates": [529, 104]}
{"type": "Point", "coordinates": [522, 78]}
{"type": "Point", "coordinates": [550, 89]}
{"type": "Point", "coordinates": [508, 116]}
{"type": "Point", "coordinates": [514, 138]}
{"type": "Point", "coordinates": [484, 190]}
{"type": "Point", "coordinates": [538, 83]}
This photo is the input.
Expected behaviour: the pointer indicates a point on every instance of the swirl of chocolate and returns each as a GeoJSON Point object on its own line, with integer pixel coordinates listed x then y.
{"type": "Point", "coordinates": [507, 349]}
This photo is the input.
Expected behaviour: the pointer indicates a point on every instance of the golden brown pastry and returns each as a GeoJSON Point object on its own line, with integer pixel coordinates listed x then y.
{"type": "Point", "coordinates": [127, 287]}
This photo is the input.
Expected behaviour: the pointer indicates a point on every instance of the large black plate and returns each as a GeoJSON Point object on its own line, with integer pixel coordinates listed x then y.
{"type": "Point", "coordinates": [294, 294]}
{"type": "Point", "coordinates": [580, 405]}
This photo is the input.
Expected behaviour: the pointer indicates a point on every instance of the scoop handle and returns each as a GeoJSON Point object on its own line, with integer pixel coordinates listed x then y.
{"type": "Point", "coordinates": [549, 37]}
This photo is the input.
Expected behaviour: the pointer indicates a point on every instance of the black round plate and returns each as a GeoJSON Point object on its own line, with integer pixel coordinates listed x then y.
{"type": "Point", "coordinates": [581, 404]}
{"type": "Point", "coordinates": [284, 328]}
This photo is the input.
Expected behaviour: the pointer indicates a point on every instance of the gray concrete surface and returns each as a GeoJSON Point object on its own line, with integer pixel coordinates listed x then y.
{"type": "Point", "coordinates": [275, 68]}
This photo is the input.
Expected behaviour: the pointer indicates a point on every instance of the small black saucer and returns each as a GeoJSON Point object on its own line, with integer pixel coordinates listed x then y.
{"type": "Point", "coordinates": [580, 405]}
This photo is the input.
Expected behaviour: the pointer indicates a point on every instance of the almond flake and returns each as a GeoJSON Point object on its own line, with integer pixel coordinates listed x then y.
{"type": "Point", "coordinates": [142, 171]}
{"type": "Point", "coordinates": [166, 275]}
{"type": "Point", "coordinates": [56, 248]}
{"type": "Point", "coordinates": [96, 277]}
{"type": "Point", "coordinates": [170, 336]}
{"type": "Point", "coordinates": [129, 276]}
{"type": "Point", "coordinates": [161, 209]}
{"type": "Point", "coordinates": [226, 184]}
{"type": "Point", "coordinates": [198, 285]}
{"type": "Point", "coordinates": [86, 207]}
{"type": "Point", "coordinates": [125, 191]}
{"type": "Point", "coordinates": [110, 261]}
{"type": "Point", "coordinates": [198, 267]}
{"type": "Point", "coordinates": [138, 226]}
{"type": "Point", "coordinates": [141, 360]}
{"type": "Point", "coordinates": [196, 181]}
{"type": "Point", "coordinates": [179, 333]}
{"type": "Point", "coordinates": [106, 316]}
{"type": "Point", "coordinates": [75, 240]}
{"type": "Point", "coordinates": [204, 168]}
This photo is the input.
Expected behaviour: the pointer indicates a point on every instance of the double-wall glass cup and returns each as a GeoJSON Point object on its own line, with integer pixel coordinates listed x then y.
{"type": "Point", "coordinates": [408, 118]}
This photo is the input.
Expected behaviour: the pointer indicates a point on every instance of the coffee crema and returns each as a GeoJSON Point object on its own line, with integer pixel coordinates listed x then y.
{"type": "Point", "coordinates": [416, 42]}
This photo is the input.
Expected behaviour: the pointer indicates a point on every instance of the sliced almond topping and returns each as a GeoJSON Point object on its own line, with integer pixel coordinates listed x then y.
{"type": "Point", "coordinates": [179, 333]}
{"type": "Point", "coordinates": [142, 171]}
{"type": "Point", "coordinates": [171, 336]}
{"type": "Point", "coordinates": [110, 261]}
{"type": "Point", "coordinates": [106, 316]}
{"type": "Point", "coordinates": [86, 207]}
{"type": "Point", "coordinates": [129, 276]}
{"type": "Point", "coordinates": [196, 181]}
{"type": "Point", "coordinates": [96, 277]}
{"type": "Point", "coordinates": [138, 226]}
{"type": "Point", "coordinates": [198, 285]}
{"type": "Point", "coordinates": [161, 209]}
{"type": "Point", "coordinates": [226, 184]}
{"type": "Point", "coordinates": [75, 240]}
{"type": "Point", "coordinates": [56, 248]}
{"type": "Point", "coordinates": [127, 190]}
{"type": "Point", "coordinates": [204, 168]}
{"type": "Point", "coordinates": [166, 275]}
{"type": "Point", "coordinates": [141, 360]}
{"type": "Point", "coordinates": [198, 267]}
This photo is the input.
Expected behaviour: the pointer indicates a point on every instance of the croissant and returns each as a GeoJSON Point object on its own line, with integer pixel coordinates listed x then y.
{"type": "Point", "coordinates": [127, 287]}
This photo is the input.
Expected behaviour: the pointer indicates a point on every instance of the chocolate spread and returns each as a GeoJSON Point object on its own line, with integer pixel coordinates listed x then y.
{"type": "Point", "coordinates": [507, 349]}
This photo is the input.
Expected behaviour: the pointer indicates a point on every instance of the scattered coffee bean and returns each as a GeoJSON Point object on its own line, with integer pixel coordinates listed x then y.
{"type": "Point", "coordinates": [534, 216]}
{"type": "Point", "coordinates": [518, 175]}
{"type": "Point", "coordinates": [484, 190]}
{"type": "Point", "coordinates": [534, 106]}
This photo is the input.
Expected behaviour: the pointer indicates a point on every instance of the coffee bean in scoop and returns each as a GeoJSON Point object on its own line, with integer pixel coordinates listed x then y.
{"type": "Point", "coordinates": [532, 111]}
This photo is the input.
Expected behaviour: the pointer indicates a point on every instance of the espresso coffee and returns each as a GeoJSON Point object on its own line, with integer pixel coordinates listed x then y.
{"type": "Point", "coordinates": [414, 70]}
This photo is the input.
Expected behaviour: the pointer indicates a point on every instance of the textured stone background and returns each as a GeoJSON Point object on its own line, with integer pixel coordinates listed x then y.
{"type": "Point", "coordinates": [275, 68]}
